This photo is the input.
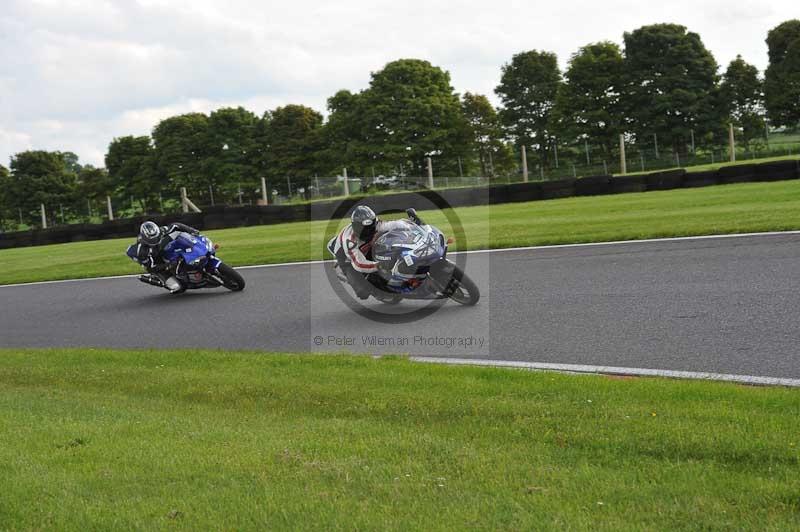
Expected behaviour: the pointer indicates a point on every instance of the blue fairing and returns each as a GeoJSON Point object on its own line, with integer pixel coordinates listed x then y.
{"type": "Point", "coordinates": [196, 252]}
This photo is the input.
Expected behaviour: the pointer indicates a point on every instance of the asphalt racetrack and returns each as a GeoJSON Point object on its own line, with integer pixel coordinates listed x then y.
{"type": "Point", "coordinates": [722, 305]}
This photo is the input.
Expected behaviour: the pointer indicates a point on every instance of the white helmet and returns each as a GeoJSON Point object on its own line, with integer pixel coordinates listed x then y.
{"type": "Point", "coordinates": [150, 233]}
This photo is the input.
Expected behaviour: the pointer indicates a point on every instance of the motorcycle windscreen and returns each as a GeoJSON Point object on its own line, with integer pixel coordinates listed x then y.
{"type": "Point", "coordinates": [187, 246]}
{"type": "Point", "coordinates": [427, 246]}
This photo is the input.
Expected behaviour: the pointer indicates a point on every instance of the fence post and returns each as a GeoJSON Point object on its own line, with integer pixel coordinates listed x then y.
{"type": "Point", "coordinates": [524, 164]}
{"type": "Point", "coordinates": [110, 210]}
{"type": "Point", "coordinates": [731, 142]}
{"type": "Point", "coordinates": [586, 147]}
{"type": "Point", "coordinates": [186, 203]}
{"type": "Point", "coordinates": [460, 170]}
{"type": "Point", "coordinates": [641, 158]}
{"type": "Point", "coordinates": [623, 162]}
{"type": "Point", "coordinates": [264, 191]}
{"type": "Point", "coordinates": [555, 150]}
{"type": "Point", "coordinates": [655, 141]}
{"type": "Point", "coordinates": [44, 218]}
{"type": "Point", "coordinates": [430, 173]}
{"type": "Point", "coordinates": [346, 184]}
{"type": "Point", "coordinates": [692, 141]}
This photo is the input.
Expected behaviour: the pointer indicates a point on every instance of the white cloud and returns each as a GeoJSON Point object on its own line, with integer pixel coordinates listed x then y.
{"type": "Point", "coordinates": [14, 141]}
{"type": "Point", "coordinates": [105, 68]}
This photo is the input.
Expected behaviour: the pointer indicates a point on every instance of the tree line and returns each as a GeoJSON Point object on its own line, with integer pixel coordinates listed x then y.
{"type": "Point", "coordinates": [661, 86]}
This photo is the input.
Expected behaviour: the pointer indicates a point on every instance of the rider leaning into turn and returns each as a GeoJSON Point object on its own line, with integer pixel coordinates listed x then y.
{"type": "Point", "coordinates": [149, 248]}
{"type": "Point", "coordinates": [355, 246]}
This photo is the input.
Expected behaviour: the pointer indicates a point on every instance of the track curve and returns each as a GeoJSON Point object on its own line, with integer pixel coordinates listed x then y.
{"type": "Point", "coordinates": [722, 305]}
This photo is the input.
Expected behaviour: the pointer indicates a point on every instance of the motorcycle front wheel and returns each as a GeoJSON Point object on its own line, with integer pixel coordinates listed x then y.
{"type": "Point", "coordinates": [231, 279]}
{"type": "Point", "coordinates": [458, 286]}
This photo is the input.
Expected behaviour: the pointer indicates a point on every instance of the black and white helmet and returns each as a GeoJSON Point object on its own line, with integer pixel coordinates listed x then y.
{"type": "Point", "coordinates": [150, 233]}
{"type": "Point", "coordinates": [364, 222]}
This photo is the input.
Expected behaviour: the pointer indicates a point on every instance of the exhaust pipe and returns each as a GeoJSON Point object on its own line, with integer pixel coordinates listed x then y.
{"type": "Point", "coordinates": [151, 279]}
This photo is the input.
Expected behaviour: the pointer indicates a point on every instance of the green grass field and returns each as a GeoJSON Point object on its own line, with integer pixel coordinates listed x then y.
{"type": "Point", "coordinates": [95, 439]}
{"type": "Point", "coordinates": [748, 207]}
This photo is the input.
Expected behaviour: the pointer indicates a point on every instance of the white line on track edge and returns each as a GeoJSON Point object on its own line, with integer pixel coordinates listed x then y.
{"type": "Point", "coordinates": [473, 252]}
{"type": "Point", "coordinates": [612, 370]}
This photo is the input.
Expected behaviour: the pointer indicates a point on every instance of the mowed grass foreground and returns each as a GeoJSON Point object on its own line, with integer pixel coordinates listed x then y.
{"type": "Point", "coordinates": [749, 207]}
{"type": "Point", "coordinates": [95, 439]}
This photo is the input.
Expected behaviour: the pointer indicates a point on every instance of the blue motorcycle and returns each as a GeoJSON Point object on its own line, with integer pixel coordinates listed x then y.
{"type": "Point", "coordinates": [193, 261]}
{"type": "Point", "coordinates": [413, 264]}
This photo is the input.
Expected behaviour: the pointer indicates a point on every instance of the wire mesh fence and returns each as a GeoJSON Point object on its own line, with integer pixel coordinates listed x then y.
{"type": "Point", "coordinates": [560, 161]}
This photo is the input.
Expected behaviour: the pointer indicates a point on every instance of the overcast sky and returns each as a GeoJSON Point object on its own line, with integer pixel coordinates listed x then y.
{"type": "Point", "coordinates": [76, 73]}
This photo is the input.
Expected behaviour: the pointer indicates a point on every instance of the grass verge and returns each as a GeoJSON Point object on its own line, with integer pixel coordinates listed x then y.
{"type": "Point", "coordinates": [95, 439]}
{"type": "Point", "coordinates": [748, 207]}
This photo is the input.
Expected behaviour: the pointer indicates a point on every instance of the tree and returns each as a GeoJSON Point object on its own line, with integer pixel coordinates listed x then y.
{"type": "Point", "coordinates": [528, 89]}
{"type": "Point", "coordinates": [782, 77]}
{"type": "Point", "coordinates": [410, 112]}
{"type": "Point", "coordinates": [671, 86]}
{"type": "Point", "coordinates": [232, 156]}
{"type": "Point", "coordinates": [131, 168]}
{"type": "Point", "coordinates": [39, 177]}
{"type": "Point", "coordinates": [588, 105]}
{"type": "Point", "coordinates": [182, 148]}
{"type": "Point", "coordinates": [742, 93]}
{"type": "Point", "coordinates": [94, 183]}
{"type": "Point", "coordinates": [486, 132]}
{"type": "Point", "coordinates": [71, 161]}
{"type": "Point", "coordinates": [7, 210]}
{"type": "Point", "coordinates": [344, 138]}
{"type": "Point", "coordinates": [292, 135]}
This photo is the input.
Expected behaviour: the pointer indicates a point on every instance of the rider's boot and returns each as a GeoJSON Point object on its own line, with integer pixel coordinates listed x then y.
{"type": "Point", "coordinates": [170, 282]}
{"type": "Point", "coordinates": [358, 282]}
{"type": "Point", "coordinates": [173, 285]}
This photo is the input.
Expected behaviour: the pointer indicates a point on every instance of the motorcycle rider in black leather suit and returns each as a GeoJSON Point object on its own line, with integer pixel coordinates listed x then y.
{"type": "Point", "coordinates": [149, 248]}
